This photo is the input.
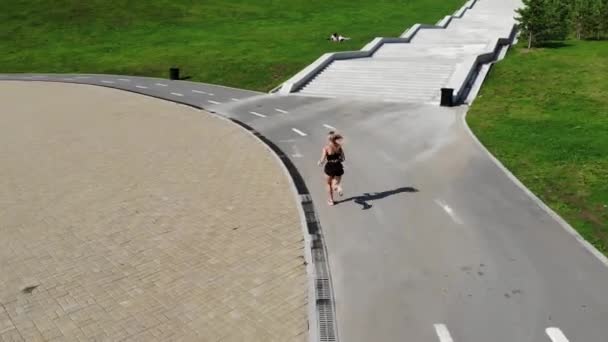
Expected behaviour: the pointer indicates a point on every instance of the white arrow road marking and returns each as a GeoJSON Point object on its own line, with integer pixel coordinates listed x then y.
{"type": "Point", "coordinates": [141, 87]}
{"type": "Point", "coordinates": [177, 94]}
{"type": "Point", "coordinates": [329, 127]}
{"type": "Point", "coordinates": [258, 114]}
{"type": "Point", "coordinates": [198, 91]}
{"type": "Point", "coordinates": [448, 210]}
{"type": "Point", "coordinates": [299, 132]}
{"type": "Point", "coordinates": [214, 102]}
{"type": "Point", "coordinates": [556, 335]}
{"type": "Point", "coordinates": [443, 333]}
{"type": "Point", "coordinates": [281, 111]}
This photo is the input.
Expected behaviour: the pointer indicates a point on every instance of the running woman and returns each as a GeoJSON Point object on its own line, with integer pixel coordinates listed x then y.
{"type": "Point", "coordinates": [333, 156]}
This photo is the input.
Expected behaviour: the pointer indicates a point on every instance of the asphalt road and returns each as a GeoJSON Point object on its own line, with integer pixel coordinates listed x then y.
{"type": "Point", "coordinates": [433, 241]}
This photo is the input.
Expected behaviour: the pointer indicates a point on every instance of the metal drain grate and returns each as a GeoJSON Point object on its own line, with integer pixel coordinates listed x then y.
{"type": "Point", "coordinates": [327, 331]}
{"type": "Point", "coordinates": [323, 290]}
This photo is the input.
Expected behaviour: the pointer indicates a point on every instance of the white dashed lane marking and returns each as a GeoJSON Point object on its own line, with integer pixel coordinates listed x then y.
{"type": "Point", "coordinates": [233, 99]}
{"type": "Point", "coordinates": [443, 333]}
{"type": "Point", "coordinates": [108, 82]}
{"type": "Point", "coordinates": [299, 132]}
{"type": "Point", "coordinates": [177, 94]}
{"type": "Point", "coordinates": [329, 127]}
{"type": "Point", "coordinates": [161, 84]}
{"type": "Point", "coordinates": [281, 111]}
{"type": "Point", "coordinates": [124, 80]}
{"type": "Point", "coordinates": [258, 114]}
{"type": "Point", "coordinates": [448, 211]}
{"type": "Point", "coordinates": [556, 335]}
{"type": "Point", "coordinates": [198, 91]}
{"type": "Point", "coordinates": [214, 102]}
{"type": "Point", "coordinates": [80, 77]}
{"type": "Point", "coordinates": [141, 87]}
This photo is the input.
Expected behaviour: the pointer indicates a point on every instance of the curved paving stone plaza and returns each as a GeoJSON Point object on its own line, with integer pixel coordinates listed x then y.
{"type": "Point", "coordinates": [124, 217]}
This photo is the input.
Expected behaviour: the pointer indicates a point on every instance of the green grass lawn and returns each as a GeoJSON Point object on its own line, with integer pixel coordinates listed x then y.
{"type": "Point", "coordinates": [544, 114]}
{"type": "Point", "coordinates": [252, 44]}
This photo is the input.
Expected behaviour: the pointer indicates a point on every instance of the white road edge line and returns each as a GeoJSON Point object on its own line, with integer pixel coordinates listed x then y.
{"type": "Point", "coordinates": [299, 132]}
{"type": "Point", "coordinates": [141, 87]}
{"type": "Point", "coordinates": [214, 102]}
{"type": "Point", "coordinates": [281, 111]}
{"type": "Point", "coordinates": [567, 227]}
{"type": "Point", "coordinates": [443, 333]}
{"type": "Point", "coordinates": [329, 127]}
{"type": "Point", "coordinates": [448, 210]}
{"type": "Point", "coordinates": [177, 94]}
{"type": "Point", "coordinates": [258, 114]}
{"type": "Point", "coordinates": [161, 85]}
{"type": "Point", "coordinates": [108, 82]}
{"type": "Point", "coordinates": [556, 335]}
{"type": "Point", "coordinates": [198, 91]}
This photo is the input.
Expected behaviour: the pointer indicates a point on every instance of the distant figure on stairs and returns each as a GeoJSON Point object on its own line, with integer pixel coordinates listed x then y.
{"type": "Point", "coordinates": [335, 37]}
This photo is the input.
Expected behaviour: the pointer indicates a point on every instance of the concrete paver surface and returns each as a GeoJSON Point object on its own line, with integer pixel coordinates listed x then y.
{"type": "Point", "coordinates": [124, 217]}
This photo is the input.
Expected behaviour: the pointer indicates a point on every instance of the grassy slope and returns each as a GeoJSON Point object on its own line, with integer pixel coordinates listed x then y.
{"type": "Point", "coordinates": [247, 43]}
{"type": "Point", "coordinates": [544, 114]}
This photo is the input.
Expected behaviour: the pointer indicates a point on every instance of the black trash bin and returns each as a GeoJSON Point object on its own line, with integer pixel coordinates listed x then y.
{"type": "Point", "coordinates": [174, 73]}
{"type": "Point", "coordinates": [447, 97]}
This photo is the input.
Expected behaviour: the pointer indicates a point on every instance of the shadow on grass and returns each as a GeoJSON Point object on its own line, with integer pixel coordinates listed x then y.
{"type": "Point", "coordinates": [554, 45]}
{"type": "Point", "coordinates": [372, 196]}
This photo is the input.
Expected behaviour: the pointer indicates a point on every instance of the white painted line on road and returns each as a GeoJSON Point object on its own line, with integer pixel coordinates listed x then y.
{"type": "Point", "coordinates": [124, 80]}
{"type": "Point", "coordinates": [214, 102]}
{"type": "Point", "coordinates": [258, 114]}
{"type": "Point", "coordinates": [161, 84]}
{"type": "Point", "coordinates": [448, 210]}
{"type": "Point", "coordinates": [108, 82]}
{"type": "Point", "coordinates": [443, 333]}
{"type": "Point", "coordinates": [556, 335]}
{"type": "Point", "coordinates": [210, 94]}
{"type": "Point", "coordinates": [233, 99]}
{"type": "Point", "coordinates": [198, 91]}
{"type": "Point", "coordinates": [141, 87]}
{"type": "Point", "coordinates": [281, 111]}
{"type": "Point", "coordinates": [82, 77]}
{"type": "Point", "coordinates": [329, 127]}
{"type": "Point", "coordinates": [299, 132]}
{"type": "Point", "coordinates": [177, 94]}
{"type": "Point", "coordinates": [67, 79]}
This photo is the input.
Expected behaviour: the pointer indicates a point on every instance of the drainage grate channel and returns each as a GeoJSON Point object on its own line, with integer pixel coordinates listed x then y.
{"type": "Point", "coordinates": [323, 289]}
{"type": "Point", "coordinates": [327, 331]}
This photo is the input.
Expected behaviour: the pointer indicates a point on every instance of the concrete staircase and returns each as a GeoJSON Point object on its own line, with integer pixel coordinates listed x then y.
{"type": "Point", "coordinates": [417, 70]}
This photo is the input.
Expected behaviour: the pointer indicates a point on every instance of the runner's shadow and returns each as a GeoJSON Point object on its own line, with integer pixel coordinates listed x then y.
{"type": "Point", "coordinates": [372, 196]}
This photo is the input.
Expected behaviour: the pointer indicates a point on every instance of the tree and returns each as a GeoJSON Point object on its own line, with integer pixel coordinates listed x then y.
{"type": "Point", "coordinates": [576, 17]}
{"type": "Point", "coordinates": [604, 18]}
{"type": "Point", "coordinates": [533, 20]}
{"type": "Point", "coordinates": [558, 15]}
{"type": "Point", "coordinates": [591, 16]}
